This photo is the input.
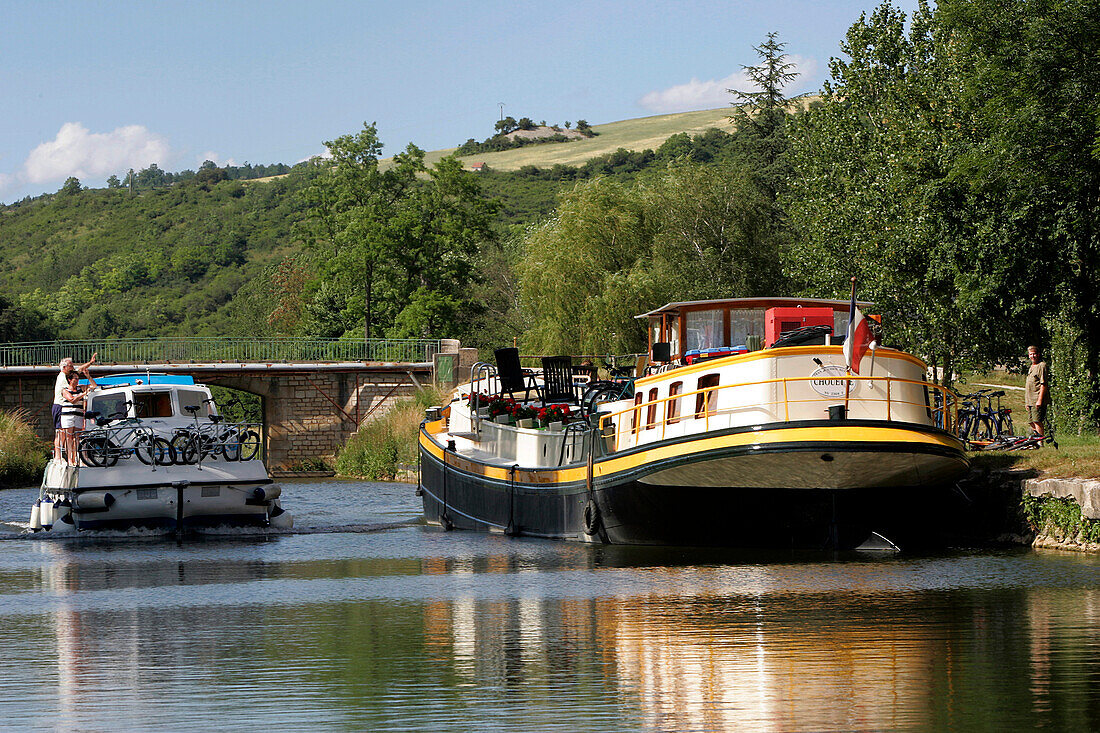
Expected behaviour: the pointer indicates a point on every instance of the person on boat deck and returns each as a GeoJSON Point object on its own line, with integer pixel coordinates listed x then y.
{"type": "Point", "coordinates": [1036, 391]}
{"type": "Point", "coordinates": [62, 381]}
{"type": "Point", "coordinates": [72, 413]}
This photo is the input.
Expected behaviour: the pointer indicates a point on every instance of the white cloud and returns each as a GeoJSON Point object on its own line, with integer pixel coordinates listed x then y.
{"type": "Point", "coordinates": [214, 158]}
{"type": "Point", "coordinates": [83, 154]}
{"type": "Point", "coordinates": [713, 93]}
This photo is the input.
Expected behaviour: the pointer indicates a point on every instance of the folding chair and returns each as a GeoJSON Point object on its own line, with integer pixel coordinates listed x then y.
{"type": "Point", "coordinates": [513, 378]}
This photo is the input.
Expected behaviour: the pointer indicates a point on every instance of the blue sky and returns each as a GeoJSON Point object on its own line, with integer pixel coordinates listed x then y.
{"type": "Point", "coordinates": [94, 88]}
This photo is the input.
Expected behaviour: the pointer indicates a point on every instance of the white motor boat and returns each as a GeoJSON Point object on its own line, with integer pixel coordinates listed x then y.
{"type": "Point", "coordinates": [155, 453]}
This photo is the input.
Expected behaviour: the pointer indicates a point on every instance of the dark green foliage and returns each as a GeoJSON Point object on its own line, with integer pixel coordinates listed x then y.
{"type": "Point", "coordinates": [22, 324]}
{"type": "Point", "coordinates": [1060, 518]}
{"type": "Point", "coordinates": [164, 262]}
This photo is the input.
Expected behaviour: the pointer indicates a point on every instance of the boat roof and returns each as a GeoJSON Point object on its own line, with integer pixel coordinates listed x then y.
{"type": "Point", "coordinates": [759, 302]}
{"type": "Point", "coordinates": [142, 378]}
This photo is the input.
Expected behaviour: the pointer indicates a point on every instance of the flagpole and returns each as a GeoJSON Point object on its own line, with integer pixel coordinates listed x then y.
{"type": "Point", "coordinates": [849, 347]}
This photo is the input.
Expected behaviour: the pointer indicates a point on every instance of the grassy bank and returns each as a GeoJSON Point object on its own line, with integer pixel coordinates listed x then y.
{"type": "Point", "coordinates": [22, 453]}
{"type": "Point", "coordinates": [379, 450]}
{"type": "Point", "coordinates": [1077, 456]}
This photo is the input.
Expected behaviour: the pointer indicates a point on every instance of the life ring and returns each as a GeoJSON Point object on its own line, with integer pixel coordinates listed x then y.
{"type": "Point", "coordinates": [591, 518]}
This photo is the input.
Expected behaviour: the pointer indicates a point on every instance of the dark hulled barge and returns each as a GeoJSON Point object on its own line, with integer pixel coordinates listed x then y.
{"type": "Point", "coordinates": [745, 428]}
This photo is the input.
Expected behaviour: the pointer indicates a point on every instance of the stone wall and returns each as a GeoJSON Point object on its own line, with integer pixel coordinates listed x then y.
{"type": "Point", "coordinates": [34, 394]}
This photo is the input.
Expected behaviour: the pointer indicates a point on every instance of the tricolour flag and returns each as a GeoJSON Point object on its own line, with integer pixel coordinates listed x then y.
{"type": "Point", "coordinates": [858, 338]}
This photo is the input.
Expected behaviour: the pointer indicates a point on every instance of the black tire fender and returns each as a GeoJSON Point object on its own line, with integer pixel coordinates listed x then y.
{"type": "Point", "coordinates": [592, 518]}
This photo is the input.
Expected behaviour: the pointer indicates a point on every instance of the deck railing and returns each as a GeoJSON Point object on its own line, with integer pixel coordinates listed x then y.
{"type": "Point", "coordinates": [939, 404]}
{"type": "Point", "coordinates": [217, 349]}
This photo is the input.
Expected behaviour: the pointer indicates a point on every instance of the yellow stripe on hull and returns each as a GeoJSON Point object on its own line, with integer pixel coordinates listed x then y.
{"type": "Point", "coordinates": [791, 457]}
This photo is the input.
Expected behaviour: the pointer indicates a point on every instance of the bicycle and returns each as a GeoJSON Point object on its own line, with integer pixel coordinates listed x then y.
{"type": "Point", "coordinates": [104, 445]}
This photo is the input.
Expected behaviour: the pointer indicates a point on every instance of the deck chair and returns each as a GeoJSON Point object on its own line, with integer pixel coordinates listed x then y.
{"type": "Point", "coordinates": [557, 380]}
{"type": "Point", "coordinates": [512, 376]}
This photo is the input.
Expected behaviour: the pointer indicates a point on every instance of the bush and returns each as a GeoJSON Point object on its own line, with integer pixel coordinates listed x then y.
{"type": "Point", "coordinates": [380, 448]}
{"type": "Point", "coordinates": [22, 453]}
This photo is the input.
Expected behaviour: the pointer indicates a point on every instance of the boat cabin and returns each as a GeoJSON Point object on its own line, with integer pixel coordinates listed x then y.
{"type": "Point", "coordinates": [703, 328]}
{"type": "Point", "coordinates": [151, 396]}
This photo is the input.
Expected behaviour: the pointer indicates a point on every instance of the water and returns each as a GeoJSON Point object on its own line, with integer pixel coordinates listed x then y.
{"type": "Point", "coordinates": [368, 621]}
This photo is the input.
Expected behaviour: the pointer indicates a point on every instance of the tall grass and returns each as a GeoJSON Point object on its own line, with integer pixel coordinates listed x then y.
{"type": "Point", "coordinates": [381, 447]}
{"type": "Point", "coordinates": [23, 454]}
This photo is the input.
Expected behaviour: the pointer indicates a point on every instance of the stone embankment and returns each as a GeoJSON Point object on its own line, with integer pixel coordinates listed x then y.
{"type": "Point", "coordinates": [1066, 512]}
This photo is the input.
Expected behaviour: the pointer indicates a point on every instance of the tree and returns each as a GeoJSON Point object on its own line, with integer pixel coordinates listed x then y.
{"type": "Point", "coordinates": [615, 250]}
{"type": "Point", "coordinates": [113, 182]}
{"type": "Point", "coordinates": [71, 186]}
{"type": "Point", "coordinates": [508, 124]}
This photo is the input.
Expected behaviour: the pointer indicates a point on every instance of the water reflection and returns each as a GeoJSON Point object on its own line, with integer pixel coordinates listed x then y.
{"type": "Point", "coordinates": [419, 630]}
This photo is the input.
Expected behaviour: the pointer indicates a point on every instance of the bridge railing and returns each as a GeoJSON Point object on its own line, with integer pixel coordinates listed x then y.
{"type": "Point", "coordinates": [217, 349]}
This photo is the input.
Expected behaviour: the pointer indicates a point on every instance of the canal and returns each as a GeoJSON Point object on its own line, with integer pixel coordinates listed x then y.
{"type": "Point", "coordinates": [365, 620]}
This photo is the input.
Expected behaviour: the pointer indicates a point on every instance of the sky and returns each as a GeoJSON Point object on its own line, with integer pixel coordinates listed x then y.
{"type": "Point", "coordinates": [92, 88]}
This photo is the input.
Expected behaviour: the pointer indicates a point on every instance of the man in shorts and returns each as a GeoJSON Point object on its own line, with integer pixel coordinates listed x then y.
{"type": "Point", "coordinates": [1036, 391]}
{"type": "Point", "coordinates": [62, 381]}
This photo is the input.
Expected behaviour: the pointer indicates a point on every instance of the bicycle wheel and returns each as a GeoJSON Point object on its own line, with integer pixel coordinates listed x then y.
{"type": "Point", "coordinates": [97, 451]}
{"type": "Point", "coordinates": [1006, 425]}
{"type": "Point", "coordinates": [183, 447]}
{"type": "Point", "coordinates": [163, 452]}
{"type": "Point", "coordinates": [143, 449]}
{"type": "Point", "coordinates": [249, 443]}
{"type": "Point", "coordinates": [230, 447]}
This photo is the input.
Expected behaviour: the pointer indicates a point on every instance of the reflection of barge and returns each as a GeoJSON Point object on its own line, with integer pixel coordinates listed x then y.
{"type": "Point", "coordinates": [161, 457]}
{"type": "Point", "coordinates": [761, 446]}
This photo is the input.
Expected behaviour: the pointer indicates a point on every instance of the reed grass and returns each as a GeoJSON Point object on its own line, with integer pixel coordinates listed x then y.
{"type": "Point", "coordinates": [381, 448]}
{"type": "Point", "coordinates": [23, 454]}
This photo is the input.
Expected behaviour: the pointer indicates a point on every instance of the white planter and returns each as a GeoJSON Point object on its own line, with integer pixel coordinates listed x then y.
{"type": "Point", "coordinates": [502, 419]}
{"type": "Point", "coordinates": [526, 422]}
{"type": "Point", "coordinates": [483, 413]}
{"type": "Point", "coordinates": [555, 427]}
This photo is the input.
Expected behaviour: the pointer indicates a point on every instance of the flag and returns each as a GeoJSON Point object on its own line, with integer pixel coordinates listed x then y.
{"type": "Point", "coordinates": [858, 338]}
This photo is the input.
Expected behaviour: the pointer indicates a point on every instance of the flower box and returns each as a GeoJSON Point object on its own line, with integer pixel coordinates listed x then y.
{"type": "Point", "coordinates": [526, 422]}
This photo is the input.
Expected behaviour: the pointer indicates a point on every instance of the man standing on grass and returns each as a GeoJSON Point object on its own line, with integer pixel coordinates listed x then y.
{"type": "Point", "coordinates": [62, 381]}
{"type": "Point", "coordinates": [1036, 391]}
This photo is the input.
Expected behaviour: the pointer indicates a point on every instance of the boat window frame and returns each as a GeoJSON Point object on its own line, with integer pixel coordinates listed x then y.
{"type": "Point", "coordinates": [651, 410]}
{"type": "Point", "coordinates": [706, 396]}
{"type": "Point", "coordinates": [636, 414]}
{"type": "Point", "coordinates": [159, 399]}
{"type": "Point", "coordinates": [672, 410]}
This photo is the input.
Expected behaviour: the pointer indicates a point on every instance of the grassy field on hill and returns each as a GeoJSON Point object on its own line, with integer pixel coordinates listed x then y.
{"type": "Point", "coordinates": [637, 134]}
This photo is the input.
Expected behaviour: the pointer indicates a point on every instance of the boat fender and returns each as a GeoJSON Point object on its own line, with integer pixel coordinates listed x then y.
{"type": "Point", "coordinates": [36, 516]}
{"type": "Point", "coordinates": [46, 513]}
{"type": "Point", "coordinates": [93, 500]}
{"type": "Point", "coordinates": [280, 518]}
{"type": "Point", "coordinates": [591, 517]}
{"type": "Point", "coordinates": [267, 493]}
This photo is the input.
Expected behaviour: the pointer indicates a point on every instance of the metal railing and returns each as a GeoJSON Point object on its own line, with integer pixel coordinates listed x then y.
{"type": "Point", "coordinates": [634, 421]}
{"type": "Point", "coordinates": [217, 349]}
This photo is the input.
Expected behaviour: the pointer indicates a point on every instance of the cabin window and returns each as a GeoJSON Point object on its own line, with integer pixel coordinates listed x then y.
{"type": "Point", "coordinates": [744, 326]}
{"type": "Point", "coordinates": [651, 411]}
{"type": "Point", "coordinates": [706, 401]}
{"type": "Point", "coordinates": [672, 411]}
{"type": "Point", "coordinates": [636, 415]}
{"type": "Point", "coordinates": [193, 398]}
{"type": "Point", "coordinates": [112, 405]}
{"type": "Point", "coordinates": [674, 334]}
{"type": "Point", "coordinates": [704, 329]}
{"type": "Point", "coordinates": [840, 325]}
{"type": "Point", "coordinates": [153, 404]}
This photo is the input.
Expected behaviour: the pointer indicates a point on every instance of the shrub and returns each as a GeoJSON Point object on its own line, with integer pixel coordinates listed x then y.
{"type": "Point", "coordinates": [381, 447]}
{"type": "Point", "coordinates": [22, 453]}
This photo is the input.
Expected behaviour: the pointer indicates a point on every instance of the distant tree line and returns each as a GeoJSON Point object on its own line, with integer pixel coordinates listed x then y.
{"type": "Point", "coordinates": [501, 140]}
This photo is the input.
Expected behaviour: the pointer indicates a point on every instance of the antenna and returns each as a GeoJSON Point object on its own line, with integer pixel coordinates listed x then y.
{"type": "Point", "coordinates": [501, 104]}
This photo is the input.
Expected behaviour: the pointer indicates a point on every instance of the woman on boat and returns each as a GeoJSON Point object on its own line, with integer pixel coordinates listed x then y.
{"type": "Point", "coordinates": [72, 413]}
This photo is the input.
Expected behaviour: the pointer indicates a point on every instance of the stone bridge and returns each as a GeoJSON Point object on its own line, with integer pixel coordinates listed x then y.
{"type": "Point", "coordinates": [310, 408]}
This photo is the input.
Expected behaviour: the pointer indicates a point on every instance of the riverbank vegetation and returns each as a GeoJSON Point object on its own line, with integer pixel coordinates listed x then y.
{"type": "Point", "coordinates": [23, 454]}
{"type": "Point", "coordinates": [386, 447]}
